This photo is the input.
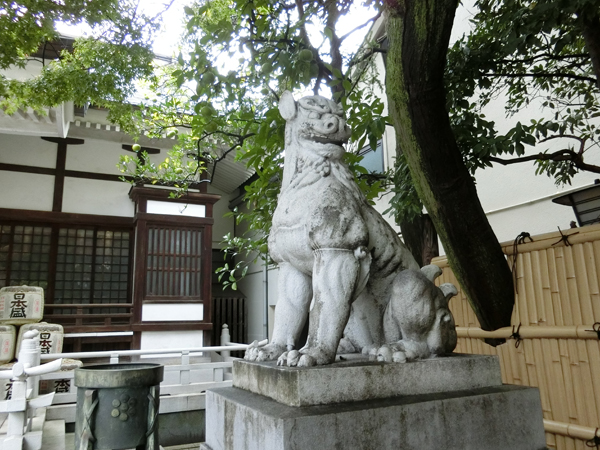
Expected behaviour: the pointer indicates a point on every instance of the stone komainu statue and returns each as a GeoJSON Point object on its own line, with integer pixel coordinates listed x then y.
{"type": "Point", "coordinates": [340, 261]}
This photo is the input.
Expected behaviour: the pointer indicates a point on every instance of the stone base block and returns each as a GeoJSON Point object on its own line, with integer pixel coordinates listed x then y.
{"type": "Point", "coordinates": [357, 380]}
{"type": "Point", "coordinates": [488, 418]}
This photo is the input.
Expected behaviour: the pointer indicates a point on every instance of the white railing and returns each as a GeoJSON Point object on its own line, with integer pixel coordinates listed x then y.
{"type": "Point", "coordinates": [183, 387]}
{"type": "Point", "coordinates": [115, 355]}
{"type": "Point", "coordinates": [24, 401]}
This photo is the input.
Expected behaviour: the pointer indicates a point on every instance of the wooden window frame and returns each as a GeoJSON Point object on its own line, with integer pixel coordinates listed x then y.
{"type": "Point", "coordinates": [140, 195]}
{"type": "Point", "coordinates": [56, 220]}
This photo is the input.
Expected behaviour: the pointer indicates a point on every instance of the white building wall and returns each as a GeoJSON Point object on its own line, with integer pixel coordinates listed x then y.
{"type": "Point", "coordinates": [253, 286]}
{"type": "Point", "coordinates": [107, 198]}
{"type": "Point", "coordinates": [95, 155]}
{"type": "Point", "coordinates": [27, 150]}
{"type": "Point", "coordinates": [223, 225]}
{"type": "Point", "coordinates": [26, 191]}
{"type": "Point", "coordinates": [515, 200]}
{"type": "Point", "coordinates": [171, 339]}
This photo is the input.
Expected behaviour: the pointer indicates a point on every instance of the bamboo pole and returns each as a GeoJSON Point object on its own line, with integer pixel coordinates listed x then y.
{"type": "Point", "coordinates": [560, 389]}
{"type": "Point", "coordinates": [547, 365]}
{"type": "Point", "coordinates": [571, 430]}
{"type": "Point", "coordinates": [572, 285]}
{"type": "Point", "coordinates": [530, 305]}
{"type": "Point", "coordinates": [538, 366]}
{"type": "Point", "coordinates": [592, 278]}
{"type": "Point", "coordinates": [542, 241]}
{"type": "Point", "coordinates": [538, 289]}
{"type": "Point", "coordinates": [580, 261]}
{"type": "Point", "coordinates": [546, 288]}
{"type": "Point", "coordinates": [595, 275]}
{"type": "Point", "coordinates": [594, 358]}
{"type": "Point", "coordinates": [531, 332]}
{"type": "Point", "coordinates": [554, 289]}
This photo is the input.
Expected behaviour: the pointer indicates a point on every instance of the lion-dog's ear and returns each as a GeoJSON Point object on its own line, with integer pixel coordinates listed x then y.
{"type": "Point", "coordinates": [287, 105]}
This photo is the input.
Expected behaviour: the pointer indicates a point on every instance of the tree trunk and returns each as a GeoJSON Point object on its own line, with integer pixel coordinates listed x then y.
{"type": "Point", "coordinates": [420, 238]}
{"type": "Point", "coordinates": [419, 33]}
{"type": "Point", "coordinates": [589, 21]}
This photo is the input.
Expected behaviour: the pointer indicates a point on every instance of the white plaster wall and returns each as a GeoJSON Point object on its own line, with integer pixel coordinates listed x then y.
{"type": "Point", "coordinates": [95, 156]}
{"type": "Point", "coordinates": [223, 225]}
{"type": "Point", "coordinates": [26, 191]}
{"type": "Point", "coordinates": [157, 312]}
{"type": "Point", "coordinates": [535, 218]}
{"type": "Point", "coordinates": [515, 199]}
{"type": "Point", "coordinates": [273, 294]}
{"type": "Point", "coordinates": [32, 68]}
{"type": "Point", "coordinates": [254, 288]}
{"type": "Point", "coordinates": [381, 205]}
{"type": "Point", "coordinates": [108, 198]}
{"type": "Point", "coordinates": [27, 150]}
{"type": "Point", "coordinates": [175, 209]}
{"type": "Point", "coordinates": [171, 339]}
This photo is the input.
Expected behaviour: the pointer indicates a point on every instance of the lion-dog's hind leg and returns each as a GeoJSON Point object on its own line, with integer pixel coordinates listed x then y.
{"type": "Point", "coordinates": [295, 294]}
{"type": "Point", "coordinates": [335, 277]}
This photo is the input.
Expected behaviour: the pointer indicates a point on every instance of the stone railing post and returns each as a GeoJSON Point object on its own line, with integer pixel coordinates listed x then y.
{"type": "Point", "coordinates": [25, 377]}
{"type": "Point", "coordinates": [225, 340]}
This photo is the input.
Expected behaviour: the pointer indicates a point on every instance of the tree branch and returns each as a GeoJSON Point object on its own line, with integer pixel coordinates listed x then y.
{"type": "Point", "coordinates": [366, 56]}
{"type": "Point", "coordinates": [303, 32]}
{"type": "Point", "coordinates": [540, 75]}
{"type": "Point", "coordinates": [561, 155]}
{"type": "Point", "coordinates": [544, 56]}
{"type": "Point", "coordinates": [334, 41]}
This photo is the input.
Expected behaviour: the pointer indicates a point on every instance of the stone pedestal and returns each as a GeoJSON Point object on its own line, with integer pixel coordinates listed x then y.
{"type": "Point", "coordinates": [457, 403]}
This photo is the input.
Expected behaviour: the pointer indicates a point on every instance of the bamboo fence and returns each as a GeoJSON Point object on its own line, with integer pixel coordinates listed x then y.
{"type": "Point", "coordinates": [557, 304]}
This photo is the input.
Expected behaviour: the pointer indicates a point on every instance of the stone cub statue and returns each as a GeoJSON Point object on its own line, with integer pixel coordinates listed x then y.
{"type": "Point", "coordinates": [341, 265]}
{"type": "Point", "coordinates": [417, 322]}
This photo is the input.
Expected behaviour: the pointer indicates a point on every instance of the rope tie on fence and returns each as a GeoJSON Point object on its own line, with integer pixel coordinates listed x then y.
{"type": "Point", "coordinates": [595, 441]}
{"type": "Point", "coordinates": [154, 403]}
{"type": "Point", "coordinates": [520, 239]}
{"type": "Point", "coordinates": [565, 238]}
{"type": "Point", "coordinates": [516, 336]}
{"type": "Point", "coordinates": [87, 434]}
{"type": "Point", "coordinates": [596, 329]}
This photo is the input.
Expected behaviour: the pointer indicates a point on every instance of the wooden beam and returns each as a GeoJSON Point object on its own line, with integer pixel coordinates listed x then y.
{"type": "Point", "coordinates": [61, 162]}
{"type": "Point", "coordinates": [68, 173]}
{"type": "Point", "coordinates": [27, 215]}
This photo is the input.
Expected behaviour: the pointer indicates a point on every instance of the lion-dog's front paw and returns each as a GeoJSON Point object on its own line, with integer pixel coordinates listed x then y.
{"type": "Point", "coordinates": [269, 352]}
